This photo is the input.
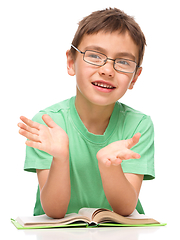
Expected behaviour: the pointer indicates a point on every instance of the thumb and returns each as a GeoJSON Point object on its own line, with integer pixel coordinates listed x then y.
{"type": "Point", "coordinates": [133, 141]}
{"type": "Point", "coordinates": [48, 121]}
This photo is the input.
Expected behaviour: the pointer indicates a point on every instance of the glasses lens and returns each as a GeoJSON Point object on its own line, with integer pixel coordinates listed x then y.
{"type": "Point", "coordinates": [94, 58]}
{"type": "Point", "coordinates": [125, 65]}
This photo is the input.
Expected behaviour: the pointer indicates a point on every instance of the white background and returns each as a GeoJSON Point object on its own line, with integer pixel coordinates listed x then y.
{"type": "Point", "coordinates": [34, 37]}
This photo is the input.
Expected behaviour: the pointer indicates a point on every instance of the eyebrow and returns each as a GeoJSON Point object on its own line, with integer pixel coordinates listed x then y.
{"type": "Point", "coordinates": [129, 55]}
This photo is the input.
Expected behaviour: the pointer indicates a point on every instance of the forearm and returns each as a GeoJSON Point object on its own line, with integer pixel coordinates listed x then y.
{"type": "Point", "coordinates": [119, 192]}
{"type": "Point", "coordinates": [55, 194]}
{"type": "Point", "coordinates": [54, 183]}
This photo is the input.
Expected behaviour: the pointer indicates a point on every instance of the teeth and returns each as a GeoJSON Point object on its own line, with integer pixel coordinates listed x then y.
{"type": "Point", "coordinates": [103, 85]}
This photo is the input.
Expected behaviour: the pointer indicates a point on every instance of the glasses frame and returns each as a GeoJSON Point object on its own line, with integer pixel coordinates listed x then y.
{"type": "Point", "coordinates": [105, 61]}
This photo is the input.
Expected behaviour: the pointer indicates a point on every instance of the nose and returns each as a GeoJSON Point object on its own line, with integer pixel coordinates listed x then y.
{"type": "Point", "coordinates": [107, 69]}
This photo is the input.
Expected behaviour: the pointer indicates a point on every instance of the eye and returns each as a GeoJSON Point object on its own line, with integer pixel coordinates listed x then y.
{"type": "Point", "coordinates": [122, 62]}
{"type": "Point", "coordinates": [94, 56]}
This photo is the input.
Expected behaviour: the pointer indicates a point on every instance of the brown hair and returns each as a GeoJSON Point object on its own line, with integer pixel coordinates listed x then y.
{"type": "Point", "coordinates": [110, 20]}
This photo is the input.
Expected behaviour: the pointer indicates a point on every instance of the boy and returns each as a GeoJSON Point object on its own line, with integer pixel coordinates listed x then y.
{"type": "Point", "coordinates": [91, 150]}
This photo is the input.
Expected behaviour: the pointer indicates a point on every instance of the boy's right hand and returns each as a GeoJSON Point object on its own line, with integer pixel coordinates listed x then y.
{"type": "Point", "coordinates": [51, 138]}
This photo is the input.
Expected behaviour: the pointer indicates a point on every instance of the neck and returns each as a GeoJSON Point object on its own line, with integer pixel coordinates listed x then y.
{"type": "Point", "coordinates": [95, 118]}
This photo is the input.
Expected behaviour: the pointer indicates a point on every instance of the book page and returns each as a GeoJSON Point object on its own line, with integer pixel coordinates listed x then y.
{"type": "Point", "coordinates": [136, 215]}
{"type": "Point", "coordinates": [44, 219]}
{"type": "Point", "coordinates": [88, 212]}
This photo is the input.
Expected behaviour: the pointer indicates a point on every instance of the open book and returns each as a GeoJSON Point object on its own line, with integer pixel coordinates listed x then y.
{"type": "Point", "coordinates": [85, 217]}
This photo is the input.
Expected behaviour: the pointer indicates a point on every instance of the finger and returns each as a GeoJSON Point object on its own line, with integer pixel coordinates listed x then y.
{"type": "Point", "coordinates": [30, 123]}
{"type": "Point", "coordinates": [116, 161]}
{"type": "Point", "coordinates": [108, 163]}
{"type": "Point", "coordinates": [48, 121]}
{"type": "Point", "coordinates": [28, 129]}
{"type": "Point", "coordinates": [32, 144]}
{"type": "Point", "coordinates": [128, 154]}
{"type": "Point", "coordinates": [113, 160]}
{"type": "Point", "coordinates": [133, 141]}
{"type": "Point", "coordinates": [28, 135]}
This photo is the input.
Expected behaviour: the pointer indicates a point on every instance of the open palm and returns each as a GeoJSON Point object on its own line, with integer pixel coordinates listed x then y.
{"type": "Point", "coordinates": [51, 138]}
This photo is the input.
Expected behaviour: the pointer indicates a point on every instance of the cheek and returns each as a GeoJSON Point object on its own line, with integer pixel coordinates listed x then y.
{"type": "Point", "coordinates": [81, 68]}
{"type": "Point", "coordinates": [125, 80]}
{"type": "Point", "coordinates": [82, 78]}
{"type": "Point", "coordinates": [84, 73]}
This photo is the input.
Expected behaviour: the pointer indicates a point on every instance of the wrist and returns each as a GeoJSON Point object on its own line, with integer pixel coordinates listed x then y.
{"type": "Point", "coordinates": [62, 153]}
{"type": "Point", "coordinates": [62, 157]}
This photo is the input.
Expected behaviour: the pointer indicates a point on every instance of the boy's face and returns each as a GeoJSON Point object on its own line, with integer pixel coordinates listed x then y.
{"type": "Point", "coordinates": [88, 77]}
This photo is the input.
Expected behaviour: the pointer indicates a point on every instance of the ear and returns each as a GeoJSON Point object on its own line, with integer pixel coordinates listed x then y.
{"type": "Point", "coordinates": [70, 63]}
{"type": "Point", "coordinates": [135, 78]}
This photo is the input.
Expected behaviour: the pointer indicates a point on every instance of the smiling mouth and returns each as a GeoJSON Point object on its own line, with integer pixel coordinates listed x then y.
{"type": "Point", "coordinates": [103, 85]}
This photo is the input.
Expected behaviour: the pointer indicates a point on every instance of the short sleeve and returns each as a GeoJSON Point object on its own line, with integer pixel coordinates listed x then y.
{"type": "Point", "coordinates": [37, 159]}
{"type": "Point", "coordinates": [145, 147]}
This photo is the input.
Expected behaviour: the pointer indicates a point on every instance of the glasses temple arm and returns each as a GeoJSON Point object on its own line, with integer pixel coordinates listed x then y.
{"type": "Point", "coordinates": [76, 49]}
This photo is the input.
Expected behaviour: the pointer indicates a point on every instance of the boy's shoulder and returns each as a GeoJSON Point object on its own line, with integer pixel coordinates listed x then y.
{"type": "Point", "coordinates": [129, 111]}
{"type": "Point", "coordinates": [57, 112]}
{"type": "Point", "coordinates": [58, 107]}
{"type": "Point", "coordinates": [131, 118]}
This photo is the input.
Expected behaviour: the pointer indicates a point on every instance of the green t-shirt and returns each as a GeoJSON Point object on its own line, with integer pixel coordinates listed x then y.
{"type": "Point", "coordinates": [86, 184]}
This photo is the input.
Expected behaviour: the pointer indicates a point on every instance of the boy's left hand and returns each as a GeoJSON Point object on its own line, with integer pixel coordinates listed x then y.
{"type": "Point", "coordinates": [116, 152]}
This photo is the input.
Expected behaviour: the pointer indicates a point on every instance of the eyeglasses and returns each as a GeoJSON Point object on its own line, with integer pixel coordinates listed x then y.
{"type": "Point", "coordinates": [100, 59]}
